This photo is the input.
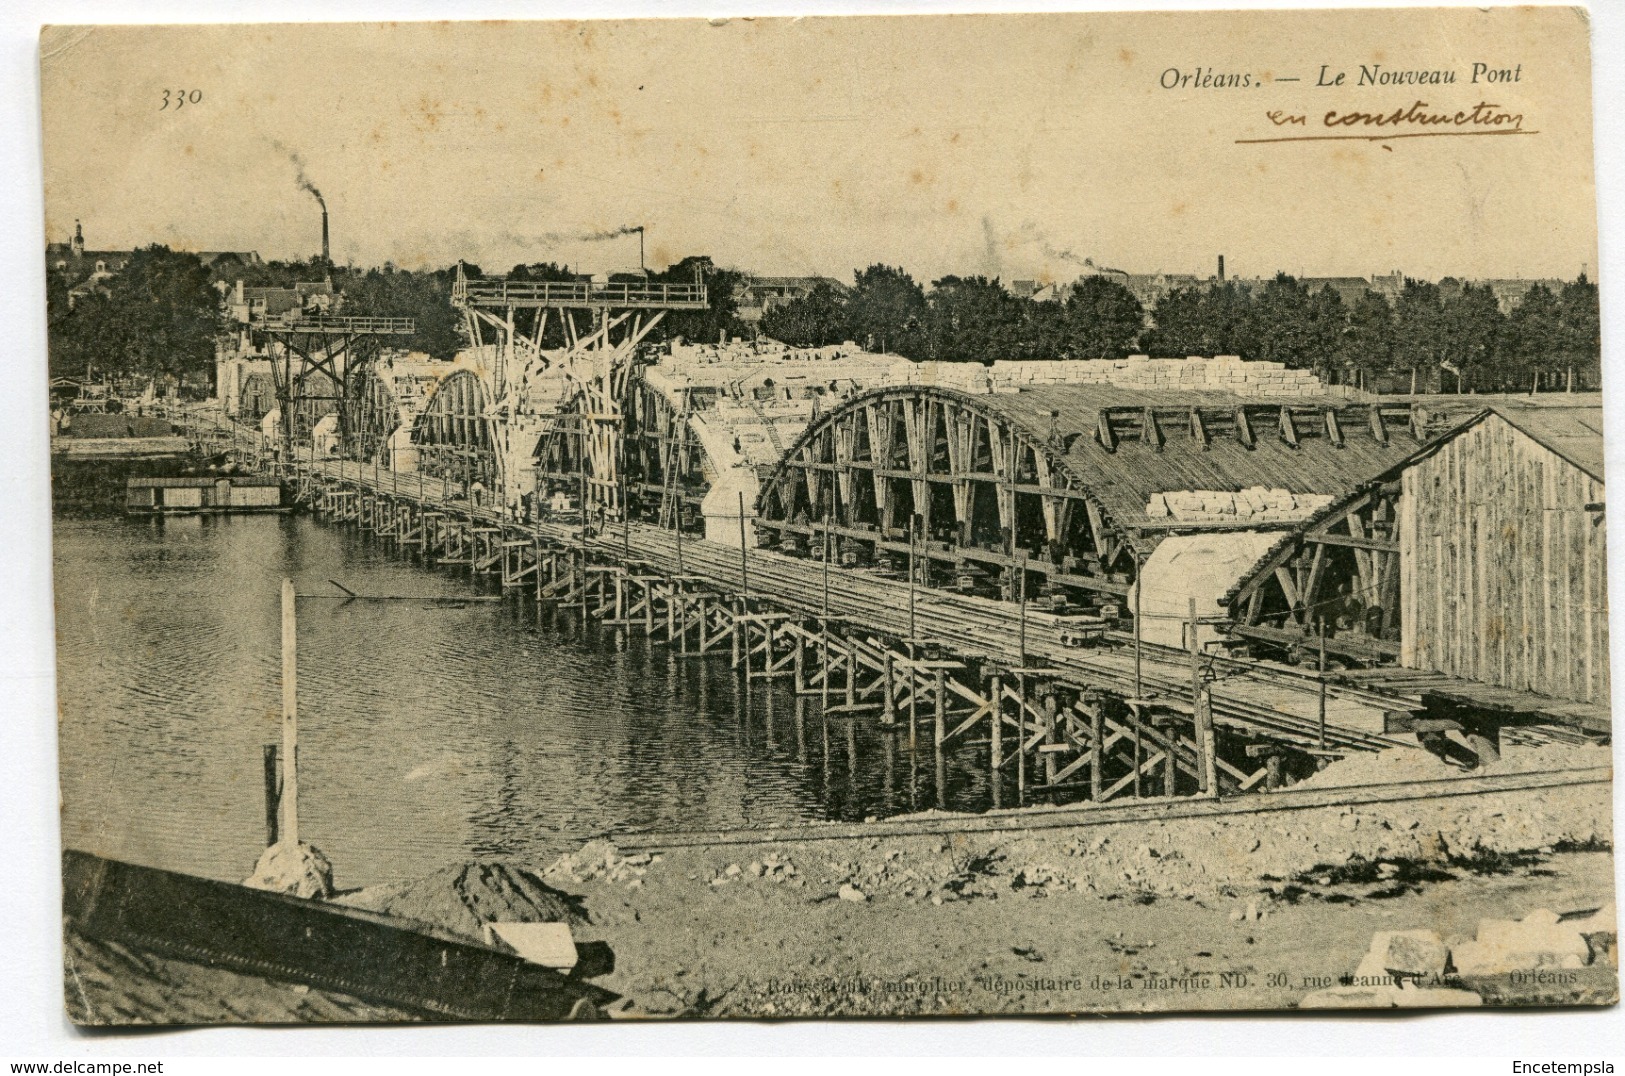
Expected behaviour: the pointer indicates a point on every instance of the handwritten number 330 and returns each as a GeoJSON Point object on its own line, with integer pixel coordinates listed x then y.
{"type": "Point", "coordinates": [180, 99]}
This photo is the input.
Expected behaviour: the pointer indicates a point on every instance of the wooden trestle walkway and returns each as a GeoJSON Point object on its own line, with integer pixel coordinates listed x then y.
{"type": "Point", "coordinates": [1053, 719]}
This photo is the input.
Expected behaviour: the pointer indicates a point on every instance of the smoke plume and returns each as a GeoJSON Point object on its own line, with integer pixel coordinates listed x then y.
{"type": "Point", "coordinates": [554, 238]}
{"type": "Point", "coordinates": [300, 175]}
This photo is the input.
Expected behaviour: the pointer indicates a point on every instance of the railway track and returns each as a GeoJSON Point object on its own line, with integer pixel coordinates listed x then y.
{"type": "Point", "coordinates": [1027, 819]}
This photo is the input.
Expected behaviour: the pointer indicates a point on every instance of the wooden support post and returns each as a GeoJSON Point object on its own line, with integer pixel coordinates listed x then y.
{"type": "Point", "coordinates": [1170, 769]}
{"type": "Point", "coordinates": [1139, 751]}
{"type": "Point", "coordinates": [913, 707]}
{"type": "Point", "coordinates": [767, 649]}
{"type": "Point", "coordinates": [1021, 735]}
{"type": "Point", "coordinates": [852, 675]}
{"type": "Point", "coordinates": [288, 798]}
{"type": "Point", "coordinates": [911, 581]}
{"type": "Point", "coordinates": [1203, 774]}
{"type": "Point", "coordinates": [273, 791]}
{"type": "Point", "coordinates": [1097, 737]}
{"type": "Point", "coordinates": [1138, 586]}
{"type": "Point", "coordinates": [996, 743]}
{"type": "Point", "coordinates": [744, 560]}
{"type": "Point", "coordinates": [734, 636]}
{"type": "Point", "coordinates": [1320, 739]}
{"type": "Point", "coordinates": [1021, 602]}
{"type": "Point", "coordinates": [888, 704]}
{"type": "Point", "coordinates": [940, 708]}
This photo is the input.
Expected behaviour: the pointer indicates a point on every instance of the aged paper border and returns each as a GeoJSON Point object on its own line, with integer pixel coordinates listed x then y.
{"type": "Point", "coordinates": [30, 989]}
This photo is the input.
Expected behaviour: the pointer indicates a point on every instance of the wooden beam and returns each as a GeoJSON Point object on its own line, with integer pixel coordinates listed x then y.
{"type": "Point", "coordinates": [1289, 432]}
{"type": "Point", "coordinates": [1244, 428]}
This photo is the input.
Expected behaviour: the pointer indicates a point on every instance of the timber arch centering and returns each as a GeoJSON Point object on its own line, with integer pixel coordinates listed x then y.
{"type": "Point", "coordinates": [980, 482]}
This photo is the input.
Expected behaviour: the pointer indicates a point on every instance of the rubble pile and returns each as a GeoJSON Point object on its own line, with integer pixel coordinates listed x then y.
{"type": "Point", "coordinates": [1184, 859]}
{"type": "Point", "coordinates": [1414, 764]}
{"type": "Point", "coordinates": [600, 860]}
{"type": "Point", "coordinates": [462, 899]}
{"type": "Point", "coordinates": [1417, 969]}
{"type": "Point", "coordinates": [298, 870]}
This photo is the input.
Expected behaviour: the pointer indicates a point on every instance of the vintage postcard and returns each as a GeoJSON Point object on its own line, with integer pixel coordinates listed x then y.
{"type": "Point", "coordinates": [848, 516]}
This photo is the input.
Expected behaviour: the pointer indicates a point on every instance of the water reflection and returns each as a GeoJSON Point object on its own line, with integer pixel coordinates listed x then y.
{"type": "Point", "coordinates": [431, 733]}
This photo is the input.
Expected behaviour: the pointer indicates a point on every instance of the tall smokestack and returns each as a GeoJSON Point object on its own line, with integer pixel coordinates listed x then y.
{"type": "Point", "coordinates": [329, 260]}
{"type": "Point", "coordinates": [324, 247]}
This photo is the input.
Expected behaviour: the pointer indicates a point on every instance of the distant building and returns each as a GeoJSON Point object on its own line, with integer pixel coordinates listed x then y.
{"type": "Point", "coordinates": [1509, 293]}
{"type": "Point", "coordinates": [754, 296]}
{"type": "Point", "coordinates": [1150, 287]}
{"type": "Point", "coordinates": [245, 305]}
{"type": "Point", "coordinates": [1388, 285]}
{"type": "Point", "coordinates": [1348, 288]}
{"type": "Point", "coordinates": [91, 269]}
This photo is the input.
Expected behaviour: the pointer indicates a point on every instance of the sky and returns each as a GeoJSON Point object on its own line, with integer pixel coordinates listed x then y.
{"type": "Point", "coordinates": [1014, 146]}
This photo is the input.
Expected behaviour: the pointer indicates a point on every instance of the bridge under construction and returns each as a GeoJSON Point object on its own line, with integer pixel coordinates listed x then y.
{"type": "Point", "coordinates": [1132, 579]}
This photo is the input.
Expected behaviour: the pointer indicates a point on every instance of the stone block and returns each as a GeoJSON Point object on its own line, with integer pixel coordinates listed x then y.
{"type": "Point", "coordinates": [1404, 954]}
{"type": "Point", "coordinates": [1538, 940]}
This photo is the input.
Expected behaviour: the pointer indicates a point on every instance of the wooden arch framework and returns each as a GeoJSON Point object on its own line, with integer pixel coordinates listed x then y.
{"type": "Point", "coordinates": [942, 478]}
{"type": "Point", "coordinates": [257, 397]}
{"type": "Point", "coordinates": [375, 416]}
{"type": "Point", "coordinates": [1336, 578]}
{"type": "Point", "coordinates": [323, 361]}
{"type": "Point", "coordinates": [579, 449]}
{"type": "Point", "coordinates": [453, 432]}
{"type": "Point", "coordinates": [666, 467]}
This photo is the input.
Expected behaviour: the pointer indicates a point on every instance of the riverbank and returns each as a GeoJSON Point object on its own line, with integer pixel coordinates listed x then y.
{"type": "Point", "coordinates": [1185, 915]}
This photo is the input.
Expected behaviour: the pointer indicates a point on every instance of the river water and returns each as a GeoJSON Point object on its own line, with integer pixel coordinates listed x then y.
{"type": "Point", "coordinates": [430, 733]}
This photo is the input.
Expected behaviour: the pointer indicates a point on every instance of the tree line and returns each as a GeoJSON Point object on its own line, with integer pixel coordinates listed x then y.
{"type": "Point", "coordinates": [1445, 336]}
{"type": "Point", "coordinates": [162, 314]}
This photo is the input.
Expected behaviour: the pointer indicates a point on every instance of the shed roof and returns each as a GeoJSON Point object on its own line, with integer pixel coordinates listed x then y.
{"type": "Point", "coordinates": [1575, 433]}
{"type": "Point", "coordinates": [1125, 478]}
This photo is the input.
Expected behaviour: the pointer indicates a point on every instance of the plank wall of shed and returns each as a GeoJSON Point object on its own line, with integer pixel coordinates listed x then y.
{"type": "Point", "coordinates": [1503, 571]}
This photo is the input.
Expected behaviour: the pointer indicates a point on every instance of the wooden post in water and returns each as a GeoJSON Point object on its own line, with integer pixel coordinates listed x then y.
{"type": "Point", "coordinates": [744, 562]}
{"type": "Point", "coordinates": [1021, 602]}
{"type": "Point", "coordinates": [823, 618]}
{"type": "Point", "coordinates": [888, 708]}
{"type": "Point", "coordinates": [913, 707]}
{"type": "Point", "coordinates": [273, 781]}
{"type": "Point", "coordinates": [911, 630]}
{"type": "Point", "coordinates": [626, 516]}
{"type": "Point", "coordinates": [679, 519]}
{"type": "Point", "coordinates": [288, 800]}
{"type": "Point", "coordinates": [939, 716]}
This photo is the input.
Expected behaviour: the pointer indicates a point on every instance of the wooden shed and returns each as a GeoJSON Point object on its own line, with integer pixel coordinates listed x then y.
{"type": "Point", "coordinates": [1503, 554]}
{"type": "Point", "coordinates": [1481, 558]}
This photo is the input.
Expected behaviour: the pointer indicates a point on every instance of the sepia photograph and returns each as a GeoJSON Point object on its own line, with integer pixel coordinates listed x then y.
{"type": "Point", "coordinates": [849, 516]}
